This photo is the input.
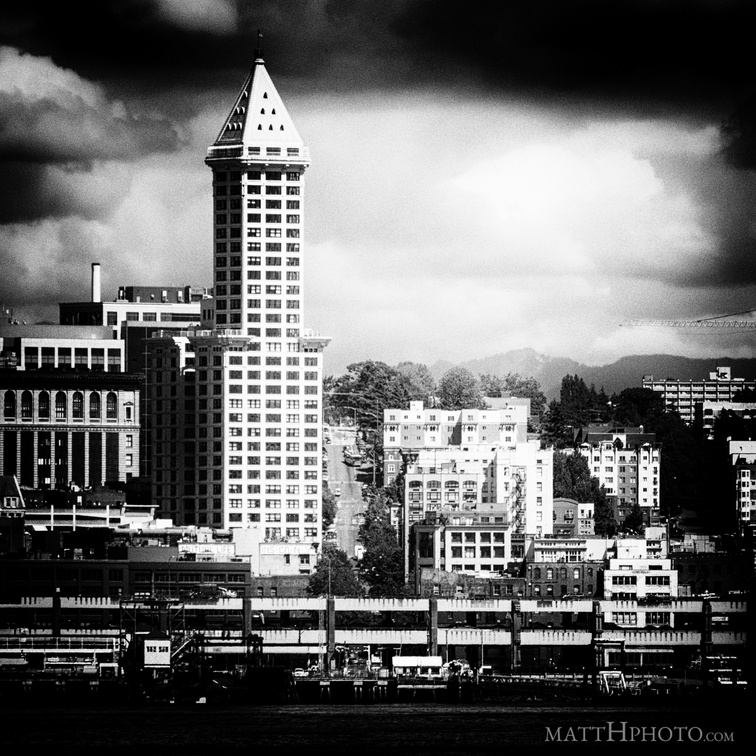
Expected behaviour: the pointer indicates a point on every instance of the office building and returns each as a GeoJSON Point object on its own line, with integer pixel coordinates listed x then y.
{"type": "Point", "coordinates": [237, 408]}
{"type": "Point", "coordinates": [686, 397]}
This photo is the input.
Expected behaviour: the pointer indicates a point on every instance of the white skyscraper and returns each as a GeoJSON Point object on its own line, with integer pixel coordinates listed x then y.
{"type": "Point", "coordinates": [245, 449]}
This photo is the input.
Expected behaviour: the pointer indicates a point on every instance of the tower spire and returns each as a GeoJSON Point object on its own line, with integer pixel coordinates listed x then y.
{"type": "Point", "coordinates": [258, 49]}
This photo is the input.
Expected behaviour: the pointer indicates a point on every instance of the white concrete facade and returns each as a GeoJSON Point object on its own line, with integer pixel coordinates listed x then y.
{"type": "Point", "coordinates": [629, 473]}
{"type": "Point", "coordinates": [421, 428]}
{"type": "Point", "coordinates": [634, 578]}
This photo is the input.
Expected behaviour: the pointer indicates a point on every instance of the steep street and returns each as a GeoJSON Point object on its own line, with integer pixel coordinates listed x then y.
{"type": "Point", "coordinates": [343, 478]}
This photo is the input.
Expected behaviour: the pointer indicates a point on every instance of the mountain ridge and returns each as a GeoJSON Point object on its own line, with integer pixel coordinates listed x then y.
{"type": "Point", "coordinates": [626, 372]}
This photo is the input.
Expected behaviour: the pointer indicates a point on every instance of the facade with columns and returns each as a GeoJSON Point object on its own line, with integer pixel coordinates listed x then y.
{"type": "Point", "coordinates": [237, 410]}
{"type": "Point", "coordinates": [62, 428]}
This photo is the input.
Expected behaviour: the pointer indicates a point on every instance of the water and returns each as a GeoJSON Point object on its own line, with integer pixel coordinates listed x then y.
{"type": "Point", "coordinates": [388, 729]}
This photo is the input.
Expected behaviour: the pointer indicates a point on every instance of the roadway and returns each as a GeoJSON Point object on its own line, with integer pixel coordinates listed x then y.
{"type": "Point", "coordinates": [350, 506]}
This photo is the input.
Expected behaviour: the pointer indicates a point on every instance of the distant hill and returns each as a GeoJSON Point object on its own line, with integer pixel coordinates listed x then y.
{"type": "Point", "coordinates": [624, 373]}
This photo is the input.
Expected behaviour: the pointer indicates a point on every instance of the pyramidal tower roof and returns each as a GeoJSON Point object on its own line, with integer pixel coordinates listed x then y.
{"type": "Point", "coordinates": [259, 117]}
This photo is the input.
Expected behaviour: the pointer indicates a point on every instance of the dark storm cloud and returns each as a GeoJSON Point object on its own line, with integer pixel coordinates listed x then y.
{"type": "Point", "coordinates": [727, 199]}
{"type": "Point", "coordinates": [685, 60]}
{"type": "Point", "coordinates": [693, 54]}
{"type": "Point", "coordinates": [46, 131]}
{"type": "Point", "coordinates": [649, 56]}
{"type": "Point", "coordinates": [51, 118]}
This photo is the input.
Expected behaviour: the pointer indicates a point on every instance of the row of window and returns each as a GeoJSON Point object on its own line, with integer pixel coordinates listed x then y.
{"type": "Point", "coordinates": [631, 618]}
{"type": "Point", "coordinates": [633, 580]}
{"type": "Point", "coordinates": [234, 261]}
{"type": "Point", "coordinates": [61, 407]}
{"type": "Point", "coordinates": [470, 552]}
{"type": "Point", "coordinates": [255, 232]}
{"type": "Point", "coordinates": [236, 218]}
{"type": "Point", "coordinates": [93, 360]}
{"type": "Point", "coordinates": [223, 176]}
{"type": "Point", "coordinates": [254, 204]}
{"type": "Point", "coordinates": [254, 189]}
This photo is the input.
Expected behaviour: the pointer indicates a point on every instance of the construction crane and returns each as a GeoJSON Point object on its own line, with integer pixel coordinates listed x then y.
{"type": "Point", "coordinates": [715, 322]}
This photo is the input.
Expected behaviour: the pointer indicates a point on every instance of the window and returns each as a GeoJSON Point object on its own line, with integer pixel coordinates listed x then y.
{"type": "Point", "coordinates": [77, 407]}
{"type": "Point", "coordinates": [26, 405]}
{"type": "Point", "coordinates": [61, 406]}
{"type": "Point", "coordinates": [44, 405]}
{"type": "Point", "coordinates": [111, 406]}
{"type": "Point", "coordinates": [658, 618]}
{"type": "Point", "coordinates": [10, 405]}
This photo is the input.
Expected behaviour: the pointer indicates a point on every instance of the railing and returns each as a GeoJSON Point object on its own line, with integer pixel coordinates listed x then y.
{"type": "Point", "coordinates": [47, 643]}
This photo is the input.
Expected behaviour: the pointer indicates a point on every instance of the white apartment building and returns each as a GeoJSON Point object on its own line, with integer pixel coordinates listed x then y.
{"type": "Point", "coordinates": [743, 459]}
{"type": "Point", "coordinates": [627, 465]}
{"type": "Point", "coordinates": [248, 394]}
{"type": "Point", "coordinates": [687, 397]}
{"type": "Point", "coordinates": [513, 485]}
{"type": "Point", "coordinates": [419, 428]}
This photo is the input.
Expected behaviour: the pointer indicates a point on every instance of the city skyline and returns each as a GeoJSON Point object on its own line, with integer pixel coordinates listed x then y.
{"type": "Point", "coordinates": [499, 181]}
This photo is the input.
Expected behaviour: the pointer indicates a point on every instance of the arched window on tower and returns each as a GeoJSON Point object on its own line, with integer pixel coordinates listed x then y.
{"type": "Point", "coordinates": [61, 408]}
{"type": "Point", "coordinates": [95, 406]}
{"type": "Point", "coordinates": [44, 405]}
{"type": "Point", "coordinates": [111, 406]}
{"type": "Point", "coordinates": [10, 405]}
{"type": "Point", "coordinates": [78, 406]}
{"type": "Point", "coordinates": [26, 405]}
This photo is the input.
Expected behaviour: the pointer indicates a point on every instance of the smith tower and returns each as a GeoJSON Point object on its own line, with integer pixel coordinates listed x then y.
{"type": "Point", "coordinates": [258, 163]}
{"type": "Point", "coordinates": [258, 373]}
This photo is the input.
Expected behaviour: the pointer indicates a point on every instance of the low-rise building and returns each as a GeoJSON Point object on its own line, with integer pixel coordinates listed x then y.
{"type": "Point", "coordinates": [636, 578]}
{"type": "Point", "coordinates": [573, 518]}
{"type": "Point", "coordinates": [475, 543]}
{"type": "Point", "coordinates": [61, 427]}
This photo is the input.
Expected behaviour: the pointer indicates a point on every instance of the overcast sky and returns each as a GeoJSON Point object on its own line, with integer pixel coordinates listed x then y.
{"type": "Point", "coordinates": [485, 176]}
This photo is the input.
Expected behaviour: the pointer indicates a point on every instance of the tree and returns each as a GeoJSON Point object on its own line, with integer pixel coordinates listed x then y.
{"type": "Point", "coordinates": [554, 430]}
{"type": "Point", "coordinates": [638, 406]}
{"type": "Point", "coordinates": [334, 575]}
{"type": "Point", "coordinates": [634, 521]}
{"type": "Point", "coordinates": [421, 385]}
{"type": "Point", "coordinates": [366, 389]}
{"type": "Point", "coordinates": [491, 385]}
{"type": "Point", "coordinates": [744, 395]}
{"type": "Point", "coordinates": [382, 563]}
{"type": "Point", "coordinates": [513, 384]}
{"type": "Point", "coordinates": [576, 400]}
{"type": "Point", "coordinates": [604, 523]}
{"type": "Point", "coordinates": [460, 389]}
{"type": "Point", "coordinates": [329, 507]}
{"type": "Point", "coordinates": [395, 489]}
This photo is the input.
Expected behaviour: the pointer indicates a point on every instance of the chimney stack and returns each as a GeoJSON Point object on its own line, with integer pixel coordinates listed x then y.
{"type": "Point", "coordinates": [96, 297]}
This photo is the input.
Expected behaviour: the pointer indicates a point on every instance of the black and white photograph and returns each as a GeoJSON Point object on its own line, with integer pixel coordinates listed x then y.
{"type": "Point", "coordinates": [377, 376]}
